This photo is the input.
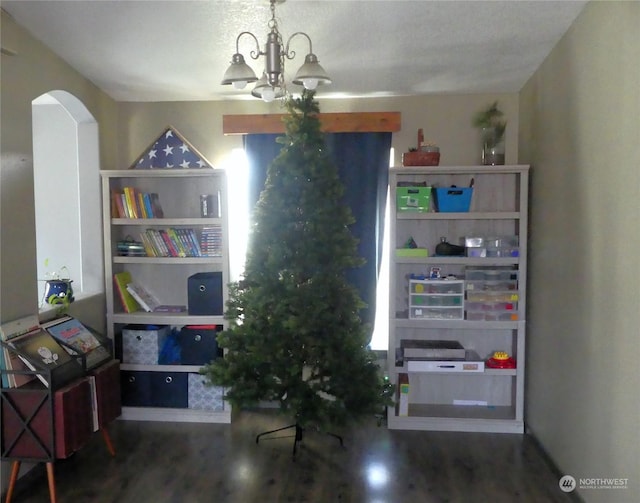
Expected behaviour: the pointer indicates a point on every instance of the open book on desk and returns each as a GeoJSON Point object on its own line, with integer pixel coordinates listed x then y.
{"type": "Point", "coordinates": [9, 360]}
{"type": "Point", "coordinates": [45, 357]}
{"type": "Point", "coordinates": [79, 340]}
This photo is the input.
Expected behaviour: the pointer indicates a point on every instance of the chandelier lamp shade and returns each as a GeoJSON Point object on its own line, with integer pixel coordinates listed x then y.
{"type": "Point", "coordinates": [271, 85]}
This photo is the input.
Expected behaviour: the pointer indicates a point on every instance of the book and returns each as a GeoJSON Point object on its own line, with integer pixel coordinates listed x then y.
{"type": "Point", "coordinates": [146, 197]}
{"type": "Point", "coordinates": [94, 403]}
{"type": "Point", "coordinates": [9, 360]}
{"type": "Point", "coordinates": [149, 247]}
{"type": "Point", "coordinates": [431, 350]}
{"type": "Point", "coordinates": [143, 297]}
{"type": "Point", "coordinates": [73, 333]}
{"type": "Point", "coordinates": [173, 251]}
{"type": "Point", "coordinates": [156, 207]}
{"type": "Point", "coordinates": [131, 200]}
{"type": "Point", "coordinates": [117, 209]}
{"type": "Point", "coordinates": [170, 309]}
{"type": "Point", "coordinates": [160, 245]}
{"type": "Point", "coordinates": [40, 351]}
{"type": "Point", "coordinates": [141, 207]}
{"type": "Point", "coordinates": [78, 340]}
{"type": "Point", "coordinates": [177, 242]}
{"type": "Point", "coordinates": [121, 280]}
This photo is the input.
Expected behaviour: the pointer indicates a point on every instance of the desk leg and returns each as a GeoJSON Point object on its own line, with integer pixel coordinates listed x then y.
{"type": "Point", "coordinates": [52, 482]}
{"type": "Point", "coordinates": [107, 440]}
{"type": "Point", "coordinates": [15, 469]}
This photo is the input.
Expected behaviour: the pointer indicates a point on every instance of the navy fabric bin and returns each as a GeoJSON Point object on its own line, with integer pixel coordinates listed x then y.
{"type": "Point", "coordinates": [198, 344]}
{"type": "Point", "coordinates": [170, 389]}
{"type": "Point", "coordinates": [136, 388]}
{"type": "Point", "coordinates": [204, 293]}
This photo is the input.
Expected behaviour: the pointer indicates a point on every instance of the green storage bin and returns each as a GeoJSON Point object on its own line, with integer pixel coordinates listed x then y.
{"type": "Point", "coordinates": [413, 199]}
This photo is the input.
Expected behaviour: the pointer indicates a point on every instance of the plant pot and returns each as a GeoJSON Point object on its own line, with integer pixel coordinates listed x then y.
{"type": "Point", "coordinates": [58, 291]}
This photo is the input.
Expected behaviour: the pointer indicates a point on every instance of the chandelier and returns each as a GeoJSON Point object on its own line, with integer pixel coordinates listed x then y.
{"type": "Point", "coordinates": [271, 85]}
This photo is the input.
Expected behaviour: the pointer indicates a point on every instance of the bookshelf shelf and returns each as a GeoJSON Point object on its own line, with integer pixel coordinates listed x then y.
{"type": "Point", "coordinates": [166, 222]}
{"type": "Point", "coordinates": [169, 260]}
{"type": "Point", "coordinates": [178, 193]}
{"type": "Point", "coordinates": [142, 317]}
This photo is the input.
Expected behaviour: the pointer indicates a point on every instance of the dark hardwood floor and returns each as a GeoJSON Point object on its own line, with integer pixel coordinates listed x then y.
{"type": "Point", "coordinates": [209, 463]}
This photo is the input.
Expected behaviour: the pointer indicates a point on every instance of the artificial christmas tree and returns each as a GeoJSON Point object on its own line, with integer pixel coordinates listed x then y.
{"type": "Point", "coordinates": [296, 336]}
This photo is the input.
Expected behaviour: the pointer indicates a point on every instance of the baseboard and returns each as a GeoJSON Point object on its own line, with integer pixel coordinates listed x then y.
{"type": "Point", "coordinates": [574, 496]}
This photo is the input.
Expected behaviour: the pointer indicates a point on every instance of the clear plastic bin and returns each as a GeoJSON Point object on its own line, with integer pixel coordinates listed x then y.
{"type": "Point", "coordinates": [436, 286]}
{"type": "Point", "coordinates": [491, 286]}
{"type": "Point", "coordinates": [490, 274]}
{"type": "Point", "coordinates": [435, 313]}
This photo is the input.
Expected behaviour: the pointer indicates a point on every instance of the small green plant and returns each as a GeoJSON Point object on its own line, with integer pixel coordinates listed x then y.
{"type": "Point", "coordinates": [490, 120]}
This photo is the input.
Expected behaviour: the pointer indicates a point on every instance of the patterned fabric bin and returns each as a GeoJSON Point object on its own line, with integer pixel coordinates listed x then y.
{"type": "Point", "coordinates": [203, 397]}
{"type": "Point", "coordinates": [142, 344]}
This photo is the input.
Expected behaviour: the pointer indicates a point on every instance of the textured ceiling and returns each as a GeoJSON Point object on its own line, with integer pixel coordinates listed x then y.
{"type": "Point", "coordinates": [179, 50]}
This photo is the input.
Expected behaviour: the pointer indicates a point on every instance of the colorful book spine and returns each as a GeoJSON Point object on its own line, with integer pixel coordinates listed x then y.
{"type": "Point", "coordinates": [146, 199]}
{"type": "Point", "coordinates": [130, 197]}
{"type": "Point", "coordinates": [121, 280]}
{"type": "Point", "coordinates": [177, 242]}
{"type": "Point", "coordinates": [142, 210]}
{"type": "Point", "coordinates": [173, 252]}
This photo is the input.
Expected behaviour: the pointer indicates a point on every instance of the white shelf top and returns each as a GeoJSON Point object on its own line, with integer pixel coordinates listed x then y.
{"type": "Point", "coordinates": [454, 170]}
{"type": "Point", "coordinates": [161, 173]}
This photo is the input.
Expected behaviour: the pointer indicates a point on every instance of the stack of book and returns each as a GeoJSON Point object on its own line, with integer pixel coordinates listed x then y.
{"type": "Point", "coordinates": [54, 352]}
{"type": "Point", "coordinates": [171, 242]}
{"type": "Point", "coordinates": [131, 203]}
{"type": "Point", "coordinates": [134, 296]}
{"type": "Point", "coordinates": [211, 241]}
{"type": "Point", "coordinates": [9, 360]}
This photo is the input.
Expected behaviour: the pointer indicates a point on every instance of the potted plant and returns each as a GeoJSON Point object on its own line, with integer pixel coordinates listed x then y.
{"type": "Point", "coordinates": [58, 290]}
{"type": "Point", "coordinates": [492, 127]}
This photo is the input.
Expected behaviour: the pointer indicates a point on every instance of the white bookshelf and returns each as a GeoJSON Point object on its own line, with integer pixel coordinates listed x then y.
{"type": "Point", "coordinates": [498, 208]}
{"type": "Point", "coordinates": [179, 192]}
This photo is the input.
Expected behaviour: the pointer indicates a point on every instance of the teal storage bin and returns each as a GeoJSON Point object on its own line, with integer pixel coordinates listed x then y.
{"type": "Point", "coordinates": [452, 199]}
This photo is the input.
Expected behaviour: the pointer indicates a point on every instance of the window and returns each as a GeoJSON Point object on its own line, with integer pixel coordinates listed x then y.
{"type": "Point", "coordinates": [67, 193]}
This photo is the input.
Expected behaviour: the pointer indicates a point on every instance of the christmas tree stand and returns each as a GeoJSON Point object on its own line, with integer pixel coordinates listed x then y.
{"type": "Point", "coordinates": [298, 435]}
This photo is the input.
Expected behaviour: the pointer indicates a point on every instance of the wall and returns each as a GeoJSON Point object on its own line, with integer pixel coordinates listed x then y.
{"type": "Point", "coordinates": [33, 71]}
{"type": "Point", "coordinates": [126, 129]}
{"type": "Point", "coordinates": [579, 129]}
{"type": "Point", "coordinates": [445, 119]}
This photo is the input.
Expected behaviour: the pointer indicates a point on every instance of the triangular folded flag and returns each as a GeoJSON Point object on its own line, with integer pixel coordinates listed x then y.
{"type": "Point", "coordinates": [171, 150]}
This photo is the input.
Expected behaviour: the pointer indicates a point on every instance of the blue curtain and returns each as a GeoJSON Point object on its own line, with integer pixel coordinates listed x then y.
{"type": "Point", "coordinates": [362, 160]}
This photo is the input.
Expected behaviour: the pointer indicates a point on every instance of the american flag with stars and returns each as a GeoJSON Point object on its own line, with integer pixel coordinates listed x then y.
{"type": "Point", "coordinates": [169, 151]}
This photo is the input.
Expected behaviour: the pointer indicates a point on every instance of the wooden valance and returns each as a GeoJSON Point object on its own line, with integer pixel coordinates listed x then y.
{"type": "Point", "coordinates": [357, 122]}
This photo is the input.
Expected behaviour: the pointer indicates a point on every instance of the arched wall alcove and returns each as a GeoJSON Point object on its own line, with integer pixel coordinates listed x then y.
{"type": "Point", "coordinates": [66, 165]}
